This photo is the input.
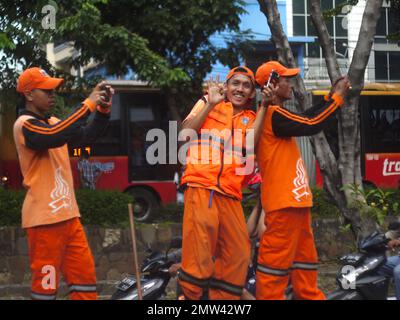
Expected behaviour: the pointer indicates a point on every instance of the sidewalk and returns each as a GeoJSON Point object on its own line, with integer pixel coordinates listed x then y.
{"type": "Point", "coordinates": [326, 281]}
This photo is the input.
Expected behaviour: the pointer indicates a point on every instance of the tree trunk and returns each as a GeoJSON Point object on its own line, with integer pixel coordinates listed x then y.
{"type": "Point", "coordinates": [349, 123]}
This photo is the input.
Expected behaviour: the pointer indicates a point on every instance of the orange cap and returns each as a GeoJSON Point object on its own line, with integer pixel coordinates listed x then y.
{"type": "Point", "coordinates": [36, 78]}
{"type": "Point", "coordinates": [263, 72]}
{"type": "Point", "coordinates": [241, 70]}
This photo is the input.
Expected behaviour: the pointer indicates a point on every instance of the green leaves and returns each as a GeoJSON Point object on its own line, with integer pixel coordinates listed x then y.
{"type": "Point", "coordinates": [103, 208]}
{"type": "Point", "coordinates": [10, 207]}
{"type": "Point", "coordinates": [380, 202]}
{"type": "Point", "coordinates": [5, 42]}
{"type": "Point", "coordinates": [345, 228]}
{"type": "Point", "coordinates": [339, 9]}
{"type": "Point", "coordinates": [164, 42]}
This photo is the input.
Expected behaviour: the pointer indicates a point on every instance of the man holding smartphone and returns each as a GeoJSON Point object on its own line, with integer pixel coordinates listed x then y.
{"type": "Point", "coordinates": [50, 214]}
{"type": "Point", "coordinates": [287, 246]}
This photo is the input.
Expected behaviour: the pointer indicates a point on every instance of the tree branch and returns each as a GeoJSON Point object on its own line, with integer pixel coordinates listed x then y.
{"type": "Point", "coordinates": [363, 48]}
{"type": "Point", "coordinates": [325, 40]}
{"type": "Point", "coordinates": [285, 54]}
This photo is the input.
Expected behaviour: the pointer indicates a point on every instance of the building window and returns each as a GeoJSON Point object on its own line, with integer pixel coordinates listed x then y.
{"type": "Point", "coordinates": [389, 65]}
{"type": "Point", "coordinates": [394, 63]}
{"type": "Point", "coordinates": [387, 24]}
{"type": "Point", "coordinates": [303, 26]}
{"type": "Point", "coordinates": [299, 26]}
{"type": "Point", "coordinates": [381, 73]}
{"type": "Point", "coordinates": [386, 61]}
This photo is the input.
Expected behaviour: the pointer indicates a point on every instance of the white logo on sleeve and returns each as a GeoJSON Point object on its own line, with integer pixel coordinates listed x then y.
{"type": "Point", "coordinates": [61, 194]}
{"type": "Point", "coordinates": [301, 188]}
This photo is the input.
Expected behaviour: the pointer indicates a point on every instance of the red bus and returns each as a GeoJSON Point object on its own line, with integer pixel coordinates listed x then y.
{"type": "Point", "coordinates": [379, 108]}
{"type": "Point", "coordinates": [121, 150]}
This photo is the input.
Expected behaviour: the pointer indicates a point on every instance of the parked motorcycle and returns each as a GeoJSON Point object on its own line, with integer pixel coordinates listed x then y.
{"type": "Point", "coordinates": [155, 268]}
{"type": "Point", "coordinates": [358, 278]}
{"type": "Point", "coordinates": [155, 275]}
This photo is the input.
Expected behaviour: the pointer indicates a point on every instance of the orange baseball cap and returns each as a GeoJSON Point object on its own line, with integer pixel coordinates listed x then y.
{"type": "Point", "coordinates": [241, 70]}
{"type": "Point", "coordinates": [263, 72]}
{"type": "Point", "coordinates": [36, 78]}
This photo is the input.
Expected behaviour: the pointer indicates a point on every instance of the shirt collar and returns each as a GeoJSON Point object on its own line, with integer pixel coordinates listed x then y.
{"type": "Point", "coordinates": [33, 114]}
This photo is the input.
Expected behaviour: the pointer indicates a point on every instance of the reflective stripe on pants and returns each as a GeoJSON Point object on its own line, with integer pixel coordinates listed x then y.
{"type": "Point", "coordinates": [287, 249]}
{"type": "Point", "coordinates": [61, 249]}
{"type": "Point", "coordinates": [216, 245]}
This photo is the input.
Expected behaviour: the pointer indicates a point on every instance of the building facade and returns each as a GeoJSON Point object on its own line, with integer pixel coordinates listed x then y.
{"type": "Point", "coordinates": [384, 62]}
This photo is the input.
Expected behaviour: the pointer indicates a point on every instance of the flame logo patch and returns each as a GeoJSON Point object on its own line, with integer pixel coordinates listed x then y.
{"type": "Point", "coordinates": [301, 188]}
{"type": "Point", "coordinates": [61, 194]}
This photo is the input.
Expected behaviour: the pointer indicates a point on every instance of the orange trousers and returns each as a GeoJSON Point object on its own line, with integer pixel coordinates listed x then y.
{"type": "Point", "coordinates": [216, 246]}
{"type": "Point", "coordinates": [57, 249]}
{"type": "Point", "coordinates": [287, 249]}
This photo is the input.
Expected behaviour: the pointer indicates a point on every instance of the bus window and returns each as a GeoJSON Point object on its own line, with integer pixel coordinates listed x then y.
{"type": "Point", "coordinates": [145, 111]}
{"type": "Point", "coordinates": [141, 119]}
{"type": "Point", "coordinates": [381, 127]}
{"type": "Point", "coordinates": [111, 142]}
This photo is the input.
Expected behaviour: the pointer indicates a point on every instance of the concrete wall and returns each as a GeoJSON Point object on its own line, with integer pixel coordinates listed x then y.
{"type": "Point", "coordinates": [113, 257]}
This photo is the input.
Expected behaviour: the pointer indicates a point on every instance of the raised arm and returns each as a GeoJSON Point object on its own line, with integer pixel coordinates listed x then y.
{"type": "Point", "coordinates": [291, 124]}
{"type": "Point", "coordinates": [40, 136]}
{"type": "Point", "coordinates": [203, 107]}
{"type": "Point", "coordinates": [267, 99]}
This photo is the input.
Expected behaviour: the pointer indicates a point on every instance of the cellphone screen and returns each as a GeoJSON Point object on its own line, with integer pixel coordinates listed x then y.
{"type": "Point", "coordinates": [273, 77]}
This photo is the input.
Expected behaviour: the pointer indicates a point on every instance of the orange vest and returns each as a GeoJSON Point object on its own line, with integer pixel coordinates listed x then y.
{"type": "Point", "coordinates": [215, 158]}
{"type": "Point", "coordinates": [48, 179]}
{"type": "Point", "coordinates": [284, 176]}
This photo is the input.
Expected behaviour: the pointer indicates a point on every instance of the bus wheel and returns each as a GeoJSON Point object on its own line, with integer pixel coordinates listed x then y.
{"type": "Point", "coordinates": [145, 204]}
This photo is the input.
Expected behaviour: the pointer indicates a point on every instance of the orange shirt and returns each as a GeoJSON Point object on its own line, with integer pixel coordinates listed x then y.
{"type": "Point", "coordinates": [219, 176]}
{"type": "Point", "coordinates": [285, 181]}
{"type": "Point", "coordinates": [43, 156]}
{"type": "Point", "coordinates": [48, 179]}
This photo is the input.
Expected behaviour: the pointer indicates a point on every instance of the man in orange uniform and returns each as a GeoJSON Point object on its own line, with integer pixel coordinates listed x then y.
{"type": "Point", "coordinates": [50, 215]}
{"type": "Point", "coordinates": [216, 246]}
{"type": "Point", "coordinates": [287, 247]}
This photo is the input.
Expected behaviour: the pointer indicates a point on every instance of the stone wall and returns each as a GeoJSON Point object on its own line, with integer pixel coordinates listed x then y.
{"type": "Point", "coordinates": [113, 253]}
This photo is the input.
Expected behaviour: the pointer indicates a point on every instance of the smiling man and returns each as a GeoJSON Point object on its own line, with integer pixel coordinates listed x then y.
{"type": "Point", "coordinates": [216, 246]}
{"type": "Point", "coordinates": [50, 214]}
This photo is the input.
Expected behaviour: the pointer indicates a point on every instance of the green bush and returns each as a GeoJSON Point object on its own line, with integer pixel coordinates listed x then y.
{"type": "Point", "coordinates": [10, 207]}
{"type": "Point", "coordinates": [174, 212]}
{"type": "Point", "coordinates": [102, 208]}
{"type": "Point", "coordinates": [110, 208]}
{"type": "Point", "coordinates": [171, 212]}
{"type": "Point", "coordinates": [321, 206]}
{"type": "Point", "coordinates": [383, 204]}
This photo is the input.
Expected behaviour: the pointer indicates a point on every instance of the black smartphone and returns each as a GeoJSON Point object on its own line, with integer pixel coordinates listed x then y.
{"type": "Point", "coordinates": [108, 91]}
{"type": "Point", "coordinates": [107, 98]}
{"type": "Point", "coordinates": [273, 77]}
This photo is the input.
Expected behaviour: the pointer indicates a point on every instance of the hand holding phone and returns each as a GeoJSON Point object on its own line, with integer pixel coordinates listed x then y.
{"type": "Point", "coordinates": [273, 78]}
{"type": "Point", "coordinates": [269, 90]}
{"type": "Point", "coordinates": [107, 89]}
